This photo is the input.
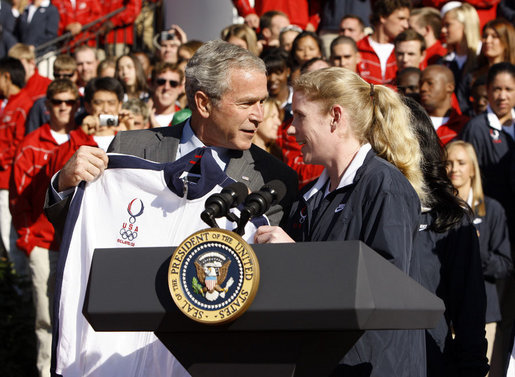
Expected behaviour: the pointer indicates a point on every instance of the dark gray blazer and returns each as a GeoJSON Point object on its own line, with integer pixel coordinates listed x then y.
{"type": "Point", "coordinates": [254, 167]}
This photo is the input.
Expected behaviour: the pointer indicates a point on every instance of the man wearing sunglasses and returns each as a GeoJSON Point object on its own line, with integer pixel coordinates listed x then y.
{"type": "Point", "coordinates": [103, 97]}
{"type": "Point", "coordinates": [167, 85]}
{"type": "Point", "coordinates": [26, 197]}
{"type": "Point", "coordinates": [65, 67]}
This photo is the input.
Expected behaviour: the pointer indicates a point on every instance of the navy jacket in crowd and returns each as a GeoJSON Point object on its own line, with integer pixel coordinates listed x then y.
{"type": "Point", "coordinates": [506, 9]}
{"type": "Point", "coordinates": [41, 29]}
{"type": "Point", "coordinates": [494, 149]}
{"type": "Point", "coordinates": [463, 83]}
{"type": "Point", "coordinates": [494, 248]}
{"type": "Point", "coordinates": [382, 209]}
{"type": "Point", "coordinates": [38, 115]}
{"type": "Point", "coordinates": [450, 267]}
{"type": "Point", "coordinates": [332, 12]}
{"type": "Point", "coordinates": [7, 19]}
{"type": "Point", "coordinates": [7, 40]}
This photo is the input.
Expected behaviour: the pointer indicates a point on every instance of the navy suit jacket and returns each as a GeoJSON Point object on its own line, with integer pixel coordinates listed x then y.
{"type": "Point", "coordinates": [7, 19]}
{"type": "Point", "coordinates": [41, 29]}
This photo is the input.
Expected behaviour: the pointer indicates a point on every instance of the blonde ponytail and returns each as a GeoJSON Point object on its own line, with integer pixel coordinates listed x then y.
{"type": "Point", "coordinates": [392, 138]}
{"type": "Point", "coordinates": [376, 113]}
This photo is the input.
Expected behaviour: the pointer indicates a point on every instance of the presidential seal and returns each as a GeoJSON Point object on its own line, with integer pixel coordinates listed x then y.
{"type": "Point", "coordinates": [213, 276]}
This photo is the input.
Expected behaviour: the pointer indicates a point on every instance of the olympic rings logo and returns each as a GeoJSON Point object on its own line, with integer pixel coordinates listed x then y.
{"type": "Point", "coordinates": [128, 234]}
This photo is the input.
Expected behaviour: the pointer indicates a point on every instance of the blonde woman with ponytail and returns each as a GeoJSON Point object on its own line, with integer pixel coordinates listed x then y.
{"type": "Point", "coordinates": [369, 191]}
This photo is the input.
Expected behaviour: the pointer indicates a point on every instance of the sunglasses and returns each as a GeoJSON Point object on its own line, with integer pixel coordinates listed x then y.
{"type": "Point", "coordinates": [173, 83]}
{"type": "Point", "coordinates": [63, 75]}
{"type": "Point", "coordinates": [57, 102]}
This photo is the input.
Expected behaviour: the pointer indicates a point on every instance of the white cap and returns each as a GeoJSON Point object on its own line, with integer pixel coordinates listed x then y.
{"type": "Point", "coordinates": [449, 6]}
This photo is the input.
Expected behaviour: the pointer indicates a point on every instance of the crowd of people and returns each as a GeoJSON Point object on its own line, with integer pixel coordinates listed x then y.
{"type": "Point", "coordinates": [63, 24]}
{"type": "Point", "coordinates": [396, 116]}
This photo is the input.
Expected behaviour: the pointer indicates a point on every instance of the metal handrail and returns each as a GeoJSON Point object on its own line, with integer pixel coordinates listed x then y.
{"type": "Point", "coordinates": [85, 27]}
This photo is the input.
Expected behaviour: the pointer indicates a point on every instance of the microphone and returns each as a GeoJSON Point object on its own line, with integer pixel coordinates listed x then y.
{"type": "Point", "coordinates": [218, 205]}
{"type": "Point", "coordinates": [259, 202]}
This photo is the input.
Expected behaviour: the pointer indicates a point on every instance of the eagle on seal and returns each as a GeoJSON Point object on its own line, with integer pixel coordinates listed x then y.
{"type": "Point", "coordinates": [207, 276]}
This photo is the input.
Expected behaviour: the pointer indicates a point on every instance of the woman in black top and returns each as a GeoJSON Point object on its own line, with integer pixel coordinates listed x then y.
{"type": "Point", "coordinates": [447, 251]}
{"type": "Point", "coordinates": [368, 191]}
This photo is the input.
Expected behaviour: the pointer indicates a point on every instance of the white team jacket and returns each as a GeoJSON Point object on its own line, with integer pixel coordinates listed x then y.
{"type": "Point", "coordinates": [133, 196]}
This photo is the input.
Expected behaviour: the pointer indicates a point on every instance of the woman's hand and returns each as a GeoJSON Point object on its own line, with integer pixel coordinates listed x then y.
{"type": "Point", "coordinates": [271, 234]}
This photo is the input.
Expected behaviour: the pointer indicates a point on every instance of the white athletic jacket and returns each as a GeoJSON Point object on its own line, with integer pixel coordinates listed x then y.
{"type": "Point", "coordinates": [134, 203]}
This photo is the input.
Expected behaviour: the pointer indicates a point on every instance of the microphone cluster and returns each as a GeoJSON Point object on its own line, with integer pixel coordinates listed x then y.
{"type": "Point", "coordinates": [254, 204]}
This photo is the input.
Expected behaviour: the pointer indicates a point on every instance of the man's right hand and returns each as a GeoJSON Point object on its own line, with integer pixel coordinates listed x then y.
{"type": "Point", "coordinates": [252, 20]}
{"type": "Point", "coordinates": [74, 28]}
{"type": "Point", "coordinates": [86, 164]}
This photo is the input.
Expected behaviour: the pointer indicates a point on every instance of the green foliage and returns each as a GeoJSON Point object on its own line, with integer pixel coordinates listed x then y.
{"type": "Point", "coordinates": [197, 287]}
{"type": "Point", "coordinates": [17, 338]}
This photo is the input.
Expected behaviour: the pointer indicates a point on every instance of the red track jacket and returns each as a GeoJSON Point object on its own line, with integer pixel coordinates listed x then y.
{"type": "Point", "coordinates": [370, 68]}
{"type": "Point", "coordinates": [85, 11]}
{"type": "Point", "coordinates": [123, 21]}
{"type": "Point", "coordinates": [66, 150]}
{"type": "Point", "coordinates": [448, 131]}
{"type": "Point", "coordinates": [300, 12]}
{"type": "Point", "coordinates": [27, 190]}
{"type": "Point", "coordinates": [36, 86]}
{"type": "Point", "coordinates": [12, 131]}
{"type": "Point", "coordinates": [434, 54]}
{"type": "Point", "coordinates": [292, 156]}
